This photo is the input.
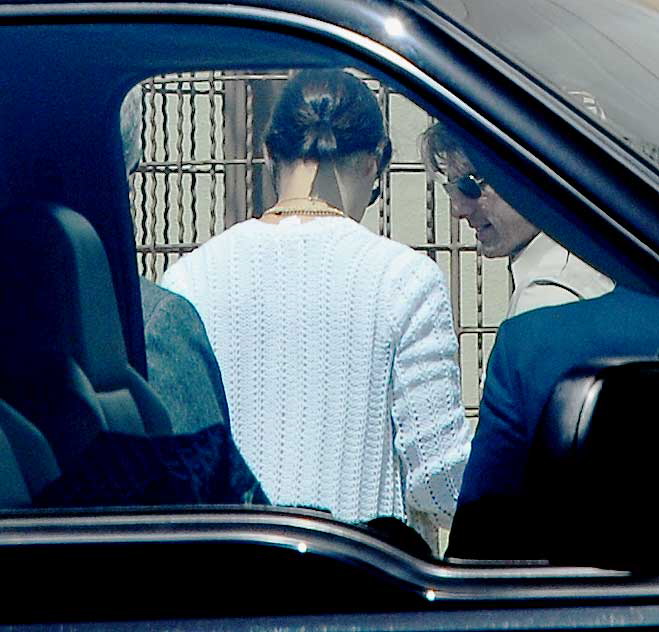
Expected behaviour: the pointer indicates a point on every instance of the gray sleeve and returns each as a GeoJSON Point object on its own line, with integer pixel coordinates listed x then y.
{"type": "Point", "coordinates": [182, 367]}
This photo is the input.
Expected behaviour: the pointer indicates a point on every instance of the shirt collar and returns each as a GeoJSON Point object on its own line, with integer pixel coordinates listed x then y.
{"type": "Point", "coordinates": [531, 256]}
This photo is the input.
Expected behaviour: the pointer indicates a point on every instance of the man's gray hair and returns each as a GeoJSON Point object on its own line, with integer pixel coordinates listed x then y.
{"type": "Point", "coordinates": [131, 128]}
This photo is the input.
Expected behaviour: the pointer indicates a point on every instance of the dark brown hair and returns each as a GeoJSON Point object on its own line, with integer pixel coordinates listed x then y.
{"type": "Point", "coordinates": [326, 115]}
{"type": "Point", "coordinates": [439, 140]}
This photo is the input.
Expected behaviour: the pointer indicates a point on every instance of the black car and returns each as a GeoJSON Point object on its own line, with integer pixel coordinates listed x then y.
{"type": "Point", "coordinates": [559, 100]}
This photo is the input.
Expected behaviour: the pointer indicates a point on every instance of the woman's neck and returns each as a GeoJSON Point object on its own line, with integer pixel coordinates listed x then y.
{"type": "Point", "coordinates": [296, 180]}
{"type": "Point", "coordinates": [297, 184]}
{"type": "Point", "coordinates": [303, 208]}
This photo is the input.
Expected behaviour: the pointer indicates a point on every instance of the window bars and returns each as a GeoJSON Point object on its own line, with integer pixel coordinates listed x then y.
{"type": "Point", "coordinates": [202, 170]}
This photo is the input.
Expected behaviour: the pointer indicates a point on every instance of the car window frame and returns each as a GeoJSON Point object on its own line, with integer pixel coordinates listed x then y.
{"type": "Point", "coordinates": [409, 77]}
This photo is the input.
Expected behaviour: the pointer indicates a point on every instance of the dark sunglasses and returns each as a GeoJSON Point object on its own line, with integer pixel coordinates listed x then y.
{"type": "Point", "coordinates": [469, 185]}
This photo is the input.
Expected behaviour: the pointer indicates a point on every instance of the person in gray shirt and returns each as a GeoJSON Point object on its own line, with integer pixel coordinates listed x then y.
{"type": "Point", "coordinates": [181, 366]}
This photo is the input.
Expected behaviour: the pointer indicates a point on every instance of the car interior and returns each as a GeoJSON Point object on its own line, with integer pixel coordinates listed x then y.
{"type": "Point", "coordinates": [574, 468]}
{"type": "Point", "coordinates": [77, 240]}
{"type": "Point", "coordinates": [71, 377]}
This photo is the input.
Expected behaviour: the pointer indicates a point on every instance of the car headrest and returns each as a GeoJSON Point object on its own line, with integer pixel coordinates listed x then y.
{"type": "Point", "coordinates": [592, 474]}
{"type": "Point", "coordinates": [59, 294]}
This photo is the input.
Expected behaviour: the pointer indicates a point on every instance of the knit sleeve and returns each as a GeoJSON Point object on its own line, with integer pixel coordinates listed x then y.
{"type": "Point", "coordinates": [432, 436]}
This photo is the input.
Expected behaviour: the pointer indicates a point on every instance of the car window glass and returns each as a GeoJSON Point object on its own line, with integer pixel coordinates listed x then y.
{"type": "Point", "coordinates": [377, 363]}
{"type": "Point", "coordinates": [202, 171]}
{"type": "Point", "coordinates": [593, 54]}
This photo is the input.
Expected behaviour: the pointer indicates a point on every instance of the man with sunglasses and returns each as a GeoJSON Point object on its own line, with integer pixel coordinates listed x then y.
{"type": "Point", "coordinates": [523, 366]}
{"type": "Point", "coordinates": [543, 272]}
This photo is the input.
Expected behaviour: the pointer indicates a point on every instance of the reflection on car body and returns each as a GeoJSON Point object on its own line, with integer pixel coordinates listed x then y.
{"type": "Point", "coordinates": [74, 365]}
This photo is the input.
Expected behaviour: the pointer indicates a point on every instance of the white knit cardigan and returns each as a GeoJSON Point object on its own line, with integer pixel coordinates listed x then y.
{"type": "Point", "coordinates": [337, 351]}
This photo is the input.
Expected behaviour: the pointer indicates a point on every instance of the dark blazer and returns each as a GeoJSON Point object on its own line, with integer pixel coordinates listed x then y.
{"type": "Point", "coordinates": [182, 367]}
{"type": "Point", "coordinates": [532, 351]}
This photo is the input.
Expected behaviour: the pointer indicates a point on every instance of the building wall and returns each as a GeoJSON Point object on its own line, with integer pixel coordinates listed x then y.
{"type": "Point", "coordinates": [202, 170]}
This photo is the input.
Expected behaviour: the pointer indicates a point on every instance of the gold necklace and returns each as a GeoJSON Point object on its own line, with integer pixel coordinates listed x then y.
{"type": "Point", "coordinates": [304, 206]}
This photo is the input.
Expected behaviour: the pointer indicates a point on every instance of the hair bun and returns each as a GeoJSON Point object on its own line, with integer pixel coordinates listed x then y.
{"type": "Point", "coordinates": [320, 140]}
{"type": "Point", "coordinates": [324, 114]}
{"type": "Point", "coordinates": [322, 106]}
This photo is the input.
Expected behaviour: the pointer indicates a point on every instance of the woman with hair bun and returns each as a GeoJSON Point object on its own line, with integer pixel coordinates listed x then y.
{"type": "Point", "coordinates": [336, 345]}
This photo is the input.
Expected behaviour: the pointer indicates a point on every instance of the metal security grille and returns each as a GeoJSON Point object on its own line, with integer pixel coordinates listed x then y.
{"type": "Point", "coordinates": [202, 171]}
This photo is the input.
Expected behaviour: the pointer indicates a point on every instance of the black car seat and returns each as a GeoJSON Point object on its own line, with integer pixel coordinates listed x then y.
{"type": "Point", "coordinates": [593, 468]}
{"type": "Point", "coordinates": [27, 462]}
{"type": "Point", "coordinates": [63, 361]}
{"type": "Point", "coordinates": [13, 487]}
{"type": "Point", "coordinates": [589, 490]}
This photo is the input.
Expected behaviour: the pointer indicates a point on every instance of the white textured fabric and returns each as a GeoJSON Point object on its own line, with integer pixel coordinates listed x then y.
{"type": "Point", "coordinates": [335, 346]}
{"type": "Point", "coordinates": [545, 273]}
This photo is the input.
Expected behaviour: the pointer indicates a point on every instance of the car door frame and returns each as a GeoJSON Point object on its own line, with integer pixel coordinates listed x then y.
{"type": "Point", "coordinates": [454, 69]}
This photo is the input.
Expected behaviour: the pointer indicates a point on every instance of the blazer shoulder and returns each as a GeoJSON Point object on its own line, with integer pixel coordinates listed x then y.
{"type": "Point", "coordinates": [157, 300]}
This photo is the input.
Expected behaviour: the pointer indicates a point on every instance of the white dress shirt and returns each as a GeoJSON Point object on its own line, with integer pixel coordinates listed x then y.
{"type": "Point", "coordinates": [544, 273]}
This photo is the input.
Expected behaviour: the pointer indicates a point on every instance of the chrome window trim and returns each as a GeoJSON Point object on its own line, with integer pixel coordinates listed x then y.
{"type": "Point", "coordinates": [433, 582]}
